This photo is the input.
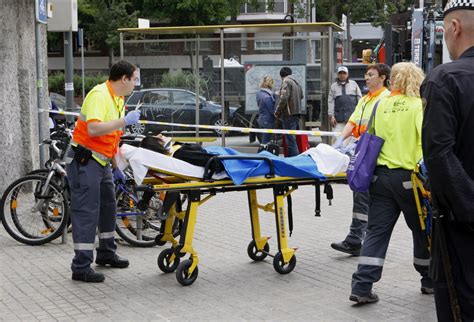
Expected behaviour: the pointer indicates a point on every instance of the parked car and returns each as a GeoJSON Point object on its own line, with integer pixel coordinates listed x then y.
{"type": "Point", "coordinates": [58, 102]}
{"type": "Point", "coordinates": [173, 105]}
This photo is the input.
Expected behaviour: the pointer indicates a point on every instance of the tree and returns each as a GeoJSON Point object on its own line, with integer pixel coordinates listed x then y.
{"type": "Point", "coordinates": [101, 19]}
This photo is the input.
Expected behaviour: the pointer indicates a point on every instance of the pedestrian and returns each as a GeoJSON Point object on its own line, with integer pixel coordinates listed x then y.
{"type": "Point", "coordinates": [377, 78]}
{"type": "Point", "coordinates": [398, 121]}
{"type": "Point", "coordinates": [289, 107]}
{"type": "Point", "coordinates": [94, 144]}
{"type": "Point", "coordinates": [447, 138]}
{"type": "Point", "coordinates": [266, 107]}
{"type": "Point", "coordinates": [342, 99]}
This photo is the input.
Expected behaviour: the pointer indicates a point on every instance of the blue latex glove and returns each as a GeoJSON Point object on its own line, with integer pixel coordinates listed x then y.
{"type": "Point", "coordinates": [119, 175]}
{"type": "Point", "coordinates": [132, 117]}
{"type": "Point", "coordinates": [338, 144]}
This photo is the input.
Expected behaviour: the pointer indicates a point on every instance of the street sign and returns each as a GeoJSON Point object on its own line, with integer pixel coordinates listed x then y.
{"type": "Point", "coordinates": [41, 8]}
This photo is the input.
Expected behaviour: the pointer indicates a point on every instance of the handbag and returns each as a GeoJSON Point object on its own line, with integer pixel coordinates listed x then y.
{"type": "Point", "coordinates": [362, 164]}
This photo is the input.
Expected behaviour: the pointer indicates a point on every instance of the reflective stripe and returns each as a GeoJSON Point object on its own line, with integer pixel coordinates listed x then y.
{"type": "Point", "coordinates": [374, 261]}
{"type": "Point", "coordinates": [407, 185]}
{"type": "Point", "coordinates": [110, 234]}
{"type": "Point", "coordinates": [84, 246]}
{"type": "Point", "coordinates": [421, 261]}
{"type": "Point", "coordinates": [96, 154]}
{"type": "Point", "coordinates": [82, 117]}
{"type": "Point", "coordinates": [358, 215]}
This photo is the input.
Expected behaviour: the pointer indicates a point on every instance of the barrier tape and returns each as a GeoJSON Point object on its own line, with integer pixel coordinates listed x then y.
{"type": "Point", "coordinates": [221, 128]}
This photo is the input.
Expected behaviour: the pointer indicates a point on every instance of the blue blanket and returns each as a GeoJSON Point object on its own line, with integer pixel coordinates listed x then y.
{"type": "Point", "coordinates": [301, 166]}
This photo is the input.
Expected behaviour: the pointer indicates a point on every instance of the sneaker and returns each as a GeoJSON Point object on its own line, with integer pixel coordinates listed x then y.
{"type": "Point", "coordinates": [427, 290]}
{"type": "Point", "coordinates": [116, 262]}
{"type": "Point", "coordinates": [370, 298]}
{"type": "Point", "coordinates": [91, 276]}
{"type": "Point", "coordinates": [347, 248]}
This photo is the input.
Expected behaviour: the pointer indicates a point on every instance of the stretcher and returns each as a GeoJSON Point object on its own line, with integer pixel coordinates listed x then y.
{"type": "Point", "coordinates": [199, 189]}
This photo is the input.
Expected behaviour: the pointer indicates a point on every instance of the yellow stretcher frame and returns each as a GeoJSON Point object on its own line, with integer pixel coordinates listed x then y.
{"type": "Point", "coordinates": [284, 260]}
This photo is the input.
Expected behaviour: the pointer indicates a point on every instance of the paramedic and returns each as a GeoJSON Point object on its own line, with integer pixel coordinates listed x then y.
{"type": "Point", "coordinates": [448, 140]}
{"type": "Point", "coordinates": [266, 107]}
{"type": "Point", "coordinates": [377, 78]}
{"type": "Point", "coordinates": [398, 121]}
{"type": "Point", "coordinates": [94, 143]}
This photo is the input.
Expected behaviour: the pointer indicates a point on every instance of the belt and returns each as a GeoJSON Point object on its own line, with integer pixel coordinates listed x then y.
{"type": "Point", "coordinates": [95, 154]}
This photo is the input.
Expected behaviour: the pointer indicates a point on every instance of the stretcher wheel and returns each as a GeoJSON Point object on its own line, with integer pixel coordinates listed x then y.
{"type": "Point", "coordinates": [182, 274]}
{"type": "Point", "coordinates": [256, 254]}
{"type": "Point", "coordinates": [164, 261]}
{"type": "Point", "coordinates": [280, 266]}
{"type": "Point", "coordinates": [158, 240]}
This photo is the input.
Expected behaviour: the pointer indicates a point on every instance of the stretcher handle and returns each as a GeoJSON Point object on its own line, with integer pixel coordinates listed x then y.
{"type": "Point", "coordinates": [208, 173]}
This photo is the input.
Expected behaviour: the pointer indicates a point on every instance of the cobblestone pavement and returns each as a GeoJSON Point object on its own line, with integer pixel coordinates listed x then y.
{"type": "Point", "coordinates": [35, 282]}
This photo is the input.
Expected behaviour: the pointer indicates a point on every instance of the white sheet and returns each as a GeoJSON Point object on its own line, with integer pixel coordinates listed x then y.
{"type": "Point", "coordinates": [329, 160]}
{"type": "Point", "coordinates": [140, 160]}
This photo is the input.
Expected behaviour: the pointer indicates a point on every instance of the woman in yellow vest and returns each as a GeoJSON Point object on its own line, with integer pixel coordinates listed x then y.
{"type": "Point", "coordinates": [398, 121]}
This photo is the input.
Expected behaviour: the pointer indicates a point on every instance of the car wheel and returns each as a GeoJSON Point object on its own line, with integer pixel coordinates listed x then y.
{"type": "Point", "coordinates": [217, 121]}
{"type": "Point", "coordinates": [138, 128]}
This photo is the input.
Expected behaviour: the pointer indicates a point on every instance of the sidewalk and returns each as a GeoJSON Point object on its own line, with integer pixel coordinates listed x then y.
{"type": "Point", "coordinates": [35, 282]}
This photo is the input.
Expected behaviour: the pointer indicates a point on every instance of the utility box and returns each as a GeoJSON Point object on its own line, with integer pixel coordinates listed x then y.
{"type": "Point", "coordinates": [64, 15]}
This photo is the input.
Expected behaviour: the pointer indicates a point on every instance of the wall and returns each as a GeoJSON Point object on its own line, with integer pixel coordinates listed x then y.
{"type": "Point", "coordinates": [19, 149]}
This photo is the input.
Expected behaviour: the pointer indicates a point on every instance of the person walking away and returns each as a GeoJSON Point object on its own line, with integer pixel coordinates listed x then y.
{"type": "Point", "coordinates": [289, 107]}
{"type": "Point", "coordinates": [377, 77]}
{"type": "Point", "coordinates": [342, 99]}
{"type": "Point", "coordinates": [448, 138]}
{"type": "Point", "coordinates": [398, 121]}
{"type": "Point", "coordinates": [94, 144]}
{"type": "Point", "coordinates": [266, 107]}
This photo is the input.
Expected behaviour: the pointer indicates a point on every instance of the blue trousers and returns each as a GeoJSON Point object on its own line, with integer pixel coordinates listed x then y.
{"type": "Point", "coordinates": [360, 213]}
{"type": "Point", "coordinates": [390, 193]}
{"type": "Point", "coordinates": [291, 123]}
{"type": "Point", "coordinates": [92, 205]}
{"type": "Point", "coordinates": [266, 137]}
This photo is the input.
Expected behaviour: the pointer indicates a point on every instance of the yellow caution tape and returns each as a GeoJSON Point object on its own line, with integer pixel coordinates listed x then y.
{"type": "Point", "coordinates": [221, 128]}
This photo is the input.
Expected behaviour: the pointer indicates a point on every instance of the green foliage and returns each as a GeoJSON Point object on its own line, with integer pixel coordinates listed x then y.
{"type": "Point", "coordinates": [184, 80]}
{"type": "Point", "coordinates": [56, 83]}
{"type": "Point", "coordinates": [102, 18]}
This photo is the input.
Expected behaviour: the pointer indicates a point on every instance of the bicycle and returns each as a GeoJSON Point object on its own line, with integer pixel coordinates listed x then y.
{"type": "Point", "coordinates": [45, 192]}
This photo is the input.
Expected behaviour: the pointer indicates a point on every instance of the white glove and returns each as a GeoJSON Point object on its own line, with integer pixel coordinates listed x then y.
{"type": "Point", "coordinates": [132, 117]}
{"type": "Point", "coordinates": [339, 142]}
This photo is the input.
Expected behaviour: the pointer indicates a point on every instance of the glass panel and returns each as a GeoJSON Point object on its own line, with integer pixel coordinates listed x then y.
{"type": "Point", "coordinates": [183, 98]}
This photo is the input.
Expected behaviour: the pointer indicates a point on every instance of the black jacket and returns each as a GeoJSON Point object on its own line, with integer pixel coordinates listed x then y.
{"type": "Point", "coordinates": [448, 135]}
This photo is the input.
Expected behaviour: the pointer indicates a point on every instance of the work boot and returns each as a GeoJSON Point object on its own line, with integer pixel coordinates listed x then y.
{"type": "Point", "coordinates": [116, 262]}
{"type": "Point", "coordinates": [91, 276]}
{"type": "Point", "coordinates": [347, 248]}
{"type": "Point", "coordinates": [370, 298]}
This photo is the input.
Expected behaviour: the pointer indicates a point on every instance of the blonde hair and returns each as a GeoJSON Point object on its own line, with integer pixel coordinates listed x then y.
{"type": "Point", "coordinates": [407, 78]}
{"type": "Point", "coordinates": [267, 82]}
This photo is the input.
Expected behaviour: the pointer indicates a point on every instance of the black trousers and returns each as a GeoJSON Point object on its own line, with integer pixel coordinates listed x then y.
{"type": "Point", "coordinates": [460, 245]}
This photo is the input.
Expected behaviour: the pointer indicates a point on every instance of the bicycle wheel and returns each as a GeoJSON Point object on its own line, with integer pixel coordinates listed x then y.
{"type": "Point", "coordinates": [32, 213]}
{"type": "Point", "coordinates": [138, 228]}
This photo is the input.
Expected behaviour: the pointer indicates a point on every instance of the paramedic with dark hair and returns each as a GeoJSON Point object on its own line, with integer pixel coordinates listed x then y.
{"type": "Point", "coordinates": [93, 147]}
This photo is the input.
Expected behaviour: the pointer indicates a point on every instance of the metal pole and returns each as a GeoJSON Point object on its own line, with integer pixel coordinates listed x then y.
{"type": "Point", "coordinates": [121, 45]}
{"type": "Point", "coordinates": [69, 83]}
{"type": "Point", "coordinates": [222, 85]}
{"type": "Point", "coordinates": [81, 39]}
{"type": "Point", "coordinates": [39, 89]}
{"type": "Point", "coordinates": [196, 83]}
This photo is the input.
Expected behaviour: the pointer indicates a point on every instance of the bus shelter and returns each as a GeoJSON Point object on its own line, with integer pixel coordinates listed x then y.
{"type": "Point", "coordinates": [311, 45]}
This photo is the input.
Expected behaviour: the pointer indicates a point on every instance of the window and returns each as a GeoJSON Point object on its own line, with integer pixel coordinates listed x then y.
{"type": "Point", "coordinates": [184, 98]}
{"type": "Point", "coordinates": [266, 43]}
{"type": "Point", "coordinates": [156, 98]}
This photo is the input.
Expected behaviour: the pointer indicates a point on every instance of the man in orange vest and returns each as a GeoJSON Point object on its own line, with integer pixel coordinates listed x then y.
{"type": "Point", "coordinates": [94, 144]}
